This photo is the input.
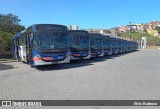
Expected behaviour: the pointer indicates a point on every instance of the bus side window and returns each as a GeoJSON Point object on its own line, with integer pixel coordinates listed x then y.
{"type": "Point", "coordinates": [17, 41]}
{"type": "Point", "coordinates": [23, 39]}
{"type": "Point", "coordinates": [31, 36]}
{"type": "Point", "coordinates": [30, 39]}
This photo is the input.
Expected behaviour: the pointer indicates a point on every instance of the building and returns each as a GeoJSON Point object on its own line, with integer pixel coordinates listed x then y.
{"type": "Point", "coordinates": [151, 25]}
{"type": "Point", "coordinates": [123, 29]}
{"type": "Point", "coordinates": [140, 27]}
{"type": "Point", "coordinates": [93, 30]}
{"type": "Point", "coordinates": [105, 31]}
{"type": "Point", "coordinates": [73, 27]}
{"type": "Point", "coordinates": [153, 32]}
{"type": "Point", "coordinates": [101, 31]}
{"type": "Point", "coordinates": [114, 30]}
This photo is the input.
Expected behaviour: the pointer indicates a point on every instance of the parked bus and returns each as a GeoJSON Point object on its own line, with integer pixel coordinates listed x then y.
{"type": "Point", "coordinates": [119, 45]}
{"type": "Point", "coordinates": [123, 46]}
{"type": "Point", "coordinates": [42, 44]}
{"type": "Point", "coordinates": [107, 45]}
{"type": "Point", "coordinates": [126, 46]}
{"type": "Point", "coordinates": [114, 45]}
{"type": "Point", "coordinates": [130, 46]}
{"type": "Point", "coordinates": [79, 44]}
{"type": "Point", "coordinates": [136, 45]}
{"type": "Point", "coordinates": [17, 41]}
{"type": "Point", "coordinates": [96, 45]}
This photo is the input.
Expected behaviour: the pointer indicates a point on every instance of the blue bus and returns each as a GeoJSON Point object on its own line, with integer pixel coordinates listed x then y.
{"type": "Point", "coordinates": [126, 46]}
{"type": "Point", "coordinates": [123, 46]}
{"type": "Point", "coordinates": [42, 44]}
{"type": "Point", "coordinates": [17, 41]}
{"type": "Point", "coordinates": [107, 45]}
{"type": "Point", "coordinates": [136, 45]}
{"type": "Point", "coordinates": [130, 46]}
{"type": "Point", "coordinates": [96, 44]}
{"type": "Point", "coordinates": [114, 45]}
{"type": "Point", "coordinates": [79, 44]}
{"type": "Point", "coordinates": [119, 45]}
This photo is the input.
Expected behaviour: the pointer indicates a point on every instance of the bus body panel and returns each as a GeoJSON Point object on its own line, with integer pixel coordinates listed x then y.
{"type": "Point", "coordinates": [80, 55]}
{"type": "Point", "coordinates": [96, 44]}
{"type": "Point", "coordinates": [114, 45]}
{"type": "Point", "coordinates": [107, 46]}
{"type": "Point", "coordinates": [77, 38]}
{"type": "Point", "coordinates": [35, 34]}
{"type": "Point", "coordinates": [119, 45]}
{"type": "Point", "coordinates": [123, 46]}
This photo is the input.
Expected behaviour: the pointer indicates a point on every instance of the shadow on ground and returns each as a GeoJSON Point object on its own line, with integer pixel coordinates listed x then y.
{"type": "Point", "coordinates": [79, 63]}
{"type": "Point", "coordinates": [4, 66]}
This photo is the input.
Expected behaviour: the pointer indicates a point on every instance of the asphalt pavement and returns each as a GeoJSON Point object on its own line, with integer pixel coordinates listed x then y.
{"type": "Point", "coordinates": [130, 76]}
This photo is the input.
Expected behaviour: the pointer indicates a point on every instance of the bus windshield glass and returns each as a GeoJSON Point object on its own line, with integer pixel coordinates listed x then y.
{"type": "Point", "coordinates": [96, 41]}
{"type": "Point", "coordinates": [50, 27]}
{"type": "Point", "coordinates": [114, 43]}
{"type": "Point", "coordinates": [119, 43]}
{"type": "Point", "coordinates": [50, 40]}
{"type": "Point", "coordinates": [80, 41]}
{"type": "Point", "coordinates": [107, 42]}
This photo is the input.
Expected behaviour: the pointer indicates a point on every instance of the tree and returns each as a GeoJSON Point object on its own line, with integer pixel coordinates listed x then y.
{"type": "Point", "coordinates": [5, 42]}
{"type": "Point", "coordinates": [158, 28]}
{"type": "Point", "coordinates": [10, 23]}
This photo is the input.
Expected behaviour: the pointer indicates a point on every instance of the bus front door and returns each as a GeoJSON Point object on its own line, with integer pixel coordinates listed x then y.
{"type": "Point", "coordinates": [17, 48]}
{"type": "Point", "coordinates": [28, 49]}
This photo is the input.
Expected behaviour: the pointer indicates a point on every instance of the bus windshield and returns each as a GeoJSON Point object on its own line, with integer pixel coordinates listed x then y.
{"type": "Point", "coordinates": [79, 41]}
{"type": "Point", "coordinates": [50, 40]}
{"type": "Point", "coordinates": [119, 43]}
{"type": "Point", "coordinates": [96, 42]}
{"type": "Point", "coordinates": [107, 42]}
{"type": "Point", "coordinates": [114, 43]}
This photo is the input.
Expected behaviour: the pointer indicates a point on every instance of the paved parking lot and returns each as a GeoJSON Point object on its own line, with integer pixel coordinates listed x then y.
{"type": "Point", "coordinates": [131, 76]}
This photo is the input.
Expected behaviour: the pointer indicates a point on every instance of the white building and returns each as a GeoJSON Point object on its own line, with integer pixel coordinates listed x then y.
{"type": "Point", "coordinates": [143, 42]}
{"type": "Point", "coordinates": [73, 27]}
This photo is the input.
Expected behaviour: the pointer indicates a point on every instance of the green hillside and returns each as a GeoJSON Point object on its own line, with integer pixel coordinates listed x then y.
{"type": "Point", "coordinates": [151, 40]}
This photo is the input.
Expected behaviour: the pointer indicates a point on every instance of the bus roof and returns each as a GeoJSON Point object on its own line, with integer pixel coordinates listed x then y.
{"type": "Point", "coordinates": [95, 35]}
{"type": "Point", "coordinates": [47, 27]}
{"type": "Point", "coordinates": [48, 24]}
{"type": "Point", "coordinates": [77, 32]}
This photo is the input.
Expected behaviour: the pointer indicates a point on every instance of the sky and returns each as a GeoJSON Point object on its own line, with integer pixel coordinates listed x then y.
{"type": "Point", "coordinates": [102, 14]}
